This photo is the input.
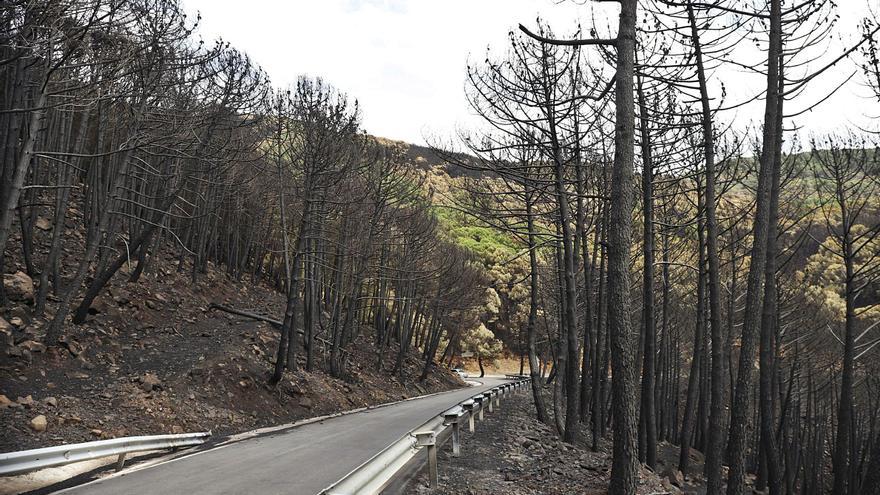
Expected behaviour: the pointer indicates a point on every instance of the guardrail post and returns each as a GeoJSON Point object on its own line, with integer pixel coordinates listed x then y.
{"type": "Point", "coordinates": [120, 462]}
{"type": "Point", "coordinates": [429, 439]}
{"type": "Point", "coordinates": [468, 406]}
{"type": "Point", "coordinates": [498, 398]}
{"type": "Point", "coordinates": [480, 400]}
{"type": "Point", "coordinates": [451, 417]}
{"type": "Point", "coordinates": [456, 439]}
{"type": "Point", "coordinates": [488, 396]}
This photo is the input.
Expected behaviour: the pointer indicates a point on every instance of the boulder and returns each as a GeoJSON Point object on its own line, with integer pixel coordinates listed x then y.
{"type": "Point", "coordinates": [33, 346]}
{"type": "Point", "coordinates": [121, 297]}
{"type": "Point", "coordinates": [43, 223]}
{"type": "Point", "coordinates": [99, 305]}
{"type": "Point", "coordinates": [305, 402]}
{"type": "Point", "coordinates": [19, 286]}
{"type": "Point", "coordinates": [72, 346]}
{"type": "Point", "coordinates": [6, 336]}
{"type": "Point", "coordinates": [39, 423]}
{"type": "Point", "coordinates": [675, 477]}
{"type": "Point", "coordinates": [150, 381]}
{"type": "Point", "coordinates": [668, 486]}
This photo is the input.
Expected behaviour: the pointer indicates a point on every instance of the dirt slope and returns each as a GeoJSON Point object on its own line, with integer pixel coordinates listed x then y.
{"type": "Point", "coordinates": [155, 359]}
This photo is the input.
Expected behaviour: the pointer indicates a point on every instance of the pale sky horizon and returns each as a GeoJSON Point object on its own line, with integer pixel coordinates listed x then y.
{"type": "Point", "coordinates": [405, 60]}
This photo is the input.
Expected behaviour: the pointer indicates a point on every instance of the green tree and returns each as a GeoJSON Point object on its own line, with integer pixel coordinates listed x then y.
{"type": "Point", "coordinates": [482, 342]}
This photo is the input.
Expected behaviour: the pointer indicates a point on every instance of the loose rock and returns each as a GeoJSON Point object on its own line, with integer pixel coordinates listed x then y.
{"type": "Point", "coordinates": [27, 402]}
{"type": "Point", "coordinates": [33, 346]}
{"type": "Point", "coordinates": [72, 346]}
{"type": "Point", "coordinates": [39, 423]}
{"type": "Point", "coordinates": [43, 224]}
{"type": "Point", "coordinates": [149, 382]}
{"type": "Point", "coordinates": [19, 286]}
{"type": "Point", "coordinates": [675, 477]}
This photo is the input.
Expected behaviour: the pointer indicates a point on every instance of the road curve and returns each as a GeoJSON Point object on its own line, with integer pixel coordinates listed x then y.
{"type": "Point", "coordinates": [303, 460]}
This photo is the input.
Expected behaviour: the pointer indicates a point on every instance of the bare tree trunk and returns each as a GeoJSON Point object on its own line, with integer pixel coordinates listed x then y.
{"type": "Point", "coordinates": [717, 380]}
{"type": "Point", "coordinates": [20, 172]}
{"type": "Point", "coordinates": [286, 346]}
{"type": "Point", "coordinates": [767, 349]}
{"type": "Point", "coordinates": [600, 370]}
{"type": "Point", "coordinates": [736, 444]}
{"type": "Point", "coordinates": [534, 366]}
{"type": "Point", "coordinates": [624, 467]}
{"type": "Point", "coordinates": [689, 418]}
{"type": "Point", "coordinates": [647, 417]}
{"type": "Point", "coordinates": [568, 358]}
{"type": "Point", "coordinates": [106, 212]}
{"type": "Point", "coordinates": [841, 457]}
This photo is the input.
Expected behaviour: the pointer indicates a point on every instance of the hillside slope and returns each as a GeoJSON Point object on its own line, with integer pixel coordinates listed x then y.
{"type": "Point", "coordinates": [154, 358]}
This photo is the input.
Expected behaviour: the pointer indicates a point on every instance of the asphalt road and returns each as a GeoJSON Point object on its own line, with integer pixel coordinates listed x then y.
{"type": "Point", "coordinates": [303, 460]}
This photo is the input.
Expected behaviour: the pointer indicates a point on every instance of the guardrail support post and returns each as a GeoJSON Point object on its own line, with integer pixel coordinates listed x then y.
{"type": "Point", "coordinates": [452, 417]}
{"type": "Point", "coordinates": [468, 406]}
{"type": "Point", "coordinates": [489, 400]}
{"type": "Point", "coordinates": [432, 466]}
{"type": "Point", "coordinates": [429, 439]}
{"type": "Point", "coordinates": [120, 461]}
{"type": "Point", "coordinates": [456, 439]}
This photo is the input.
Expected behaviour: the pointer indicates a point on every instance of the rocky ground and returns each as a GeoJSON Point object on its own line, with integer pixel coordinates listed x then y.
{"type": "Point", "coordinates": [154, 358]}
{"type": "Point", "coordinates": [514, 454]}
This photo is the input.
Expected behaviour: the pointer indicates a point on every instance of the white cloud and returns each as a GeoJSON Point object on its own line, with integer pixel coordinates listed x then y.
{"type": "Point", "coordinates": [404, 60]}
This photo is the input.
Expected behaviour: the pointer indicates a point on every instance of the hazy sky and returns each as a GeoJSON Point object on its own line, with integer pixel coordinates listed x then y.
{"type": "Point", "coordinates": [404, 60]}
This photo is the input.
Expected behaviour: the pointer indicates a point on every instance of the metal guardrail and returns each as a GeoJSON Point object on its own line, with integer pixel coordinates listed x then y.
{"type": "Point", "coordinates": [31, 460]}
{"type": "Point", "coordinates": [376, 473]}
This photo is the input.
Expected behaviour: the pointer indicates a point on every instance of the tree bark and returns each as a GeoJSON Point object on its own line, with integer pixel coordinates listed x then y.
{"type": "Point", "coordinates": [288, 328]}
{"type": "Point", "coordinates": [624, 467]}
{"type": "Point", "coordinates": [647, 416]}
{"type": "Point", "coordinates": [767, 348]}
{"type": "Point", "coordinates": [717, 380]}
{"type": "Point", "coordinates": [736, 444]}
{"type": "Point", "coordinates": [534, 365]}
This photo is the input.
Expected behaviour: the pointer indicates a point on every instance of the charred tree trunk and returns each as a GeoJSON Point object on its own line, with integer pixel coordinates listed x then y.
{"type": "Point", "coordinates": [647, 417]}
{"type": "Point", "coordinates": [534, 365]}
{"type": "Point", "coordinates": [736, 444]}
{"type": "Point", "coordinates": [624, 468]}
